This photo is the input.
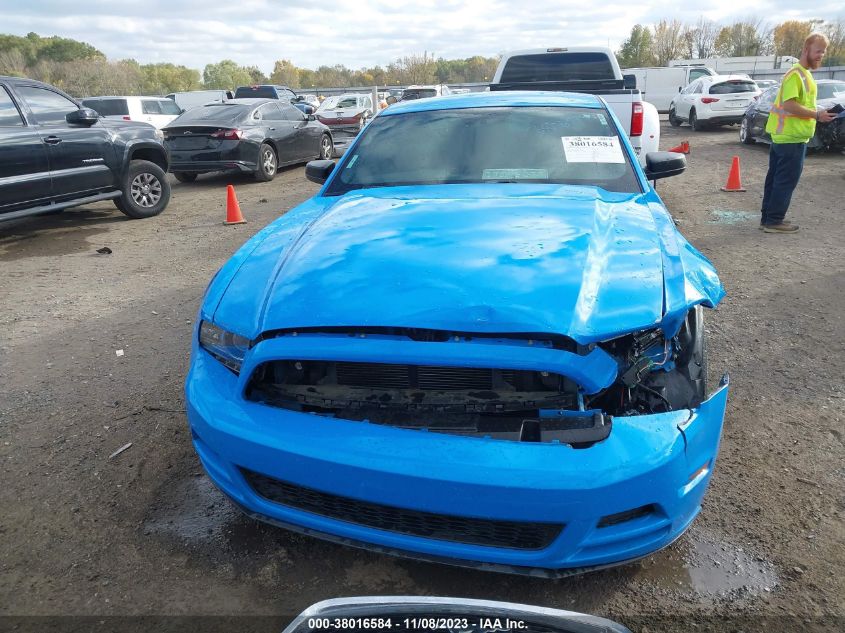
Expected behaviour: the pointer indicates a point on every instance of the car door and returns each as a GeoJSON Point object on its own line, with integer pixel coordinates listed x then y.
{"type": "Point", "coordinates": [82, 158]}
{"type": "Point", "coordinates": [305, 139]}
{"type": "Point", "coordinates": [277, 127]}
{"type": "Point", "coordinates": [682, 102]}
{"type": "Point", "coordinates": [24, 167]}
{"type": "Point", "coordinates": [762, 109]}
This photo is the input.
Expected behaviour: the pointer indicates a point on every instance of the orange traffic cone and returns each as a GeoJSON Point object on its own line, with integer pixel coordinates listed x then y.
{"type": "Point", "coordinates": [683, 148]}
{"type": "Point", "coordinates": [233, 209]}
{"type": "Point", "coordinates": [733, 178]}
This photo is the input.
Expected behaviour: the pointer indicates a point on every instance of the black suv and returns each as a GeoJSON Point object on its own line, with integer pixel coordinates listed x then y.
{"type": "Point", "coordinates": [56, 154]}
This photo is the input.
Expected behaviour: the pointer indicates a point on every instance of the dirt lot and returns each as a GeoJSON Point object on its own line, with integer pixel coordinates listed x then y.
{"type": "Point", "coordinates": [144, 533]}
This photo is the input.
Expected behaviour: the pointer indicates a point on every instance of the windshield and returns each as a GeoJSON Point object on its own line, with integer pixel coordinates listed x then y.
{"type": "Point", "coordinates": [227, 113]}
{"type": "Point", "coordinates": [503, 144]}
{"type": "Point", "coordinates": [829, 91]}
{"type": "Point", "coordinates": [557, 67]}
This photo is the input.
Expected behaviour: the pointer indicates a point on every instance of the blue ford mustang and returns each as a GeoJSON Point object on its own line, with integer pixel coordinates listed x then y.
{"type": "Point", "coordinates": [481, 343]}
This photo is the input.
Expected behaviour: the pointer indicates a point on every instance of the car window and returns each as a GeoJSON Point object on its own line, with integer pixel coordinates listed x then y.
{"type": "Point", "coordinates": [828, 91]}
{"type": "Point", "coordinates": [256, 92]}
{"type": "Point", "coordinates": [272, 112]}
{"type": "Point", "coordinates": [107, 107]}
{"type": "Point", "coordinates": [223, 113]}
{"type": "Point", "coordinates": [169, 107]}
{"type": "Point", "coordinates": [348, 102]}
{"type": "Point", "coordinates": [48, 107]}
{"type": "Point", "coordinates": [418, 93]}
{"type": "Point", "coordinates": [149, 106]}
{"type": "Point", "coordinates": [9, 115]}
{"type": "Point", "coordinates": [291, 113]}
{"type": "Point", "coordinates": [696, 90]}
{"type": "Point", "coordinates": [530, 144]}
{"type": "Point", "coordinates": [567, 66]}
{"type": "Point", "coordinates": [733, 87]}
{"type": "Point", "coordinates": [698, 72]}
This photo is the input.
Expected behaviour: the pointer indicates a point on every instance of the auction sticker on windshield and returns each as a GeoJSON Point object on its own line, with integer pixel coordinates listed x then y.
{"type": "Point", "coordinates": [592, 149]}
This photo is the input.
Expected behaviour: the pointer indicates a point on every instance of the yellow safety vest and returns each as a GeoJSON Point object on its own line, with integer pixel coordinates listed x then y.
{"type": "Point", "coordinates": [797, 84]}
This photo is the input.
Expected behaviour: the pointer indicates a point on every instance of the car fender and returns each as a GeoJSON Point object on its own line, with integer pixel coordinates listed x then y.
{"type": "Point", "coordinates": [651, 131]}
{"type": "Point", "coordinates": [143, 149]}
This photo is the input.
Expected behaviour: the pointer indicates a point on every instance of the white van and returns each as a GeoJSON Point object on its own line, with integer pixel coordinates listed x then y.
{"type": "Point", "coordinates": [195, 98]}
{"type": "Point", "coordinates": [660, 85]}
{"type": "Point", "coordinates": [157, 111]}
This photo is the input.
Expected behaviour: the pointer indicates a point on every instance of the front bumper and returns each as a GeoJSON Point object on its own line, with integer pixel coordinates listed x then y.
{"type": "Point", "coordinates": [662, 462]}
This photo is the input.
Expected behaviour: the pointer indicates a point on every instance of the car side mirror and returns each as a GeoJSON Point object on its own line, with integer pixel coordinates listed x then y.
{"type": "Point", "coordinates": [319, 170]}
{"type": "Point", "coordinates": [83, 116]}
{"type": "Point", "coordinates": [664, 164]}
{"type": "Point", "coordinates": [629, 82]}
{"type": "Point", "coordinates": [391, 100]}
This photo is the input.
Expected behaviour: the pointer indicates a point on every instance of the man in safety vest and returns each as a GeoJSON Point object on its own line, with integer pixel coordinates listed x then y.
{"type": "Point", "coordinates": [791, 124]}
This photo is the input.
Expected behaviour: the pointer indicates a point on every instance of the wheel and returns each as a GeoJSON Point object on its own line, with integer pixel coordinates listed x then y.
{"type": "Point", "coordinates": [694, 123]}
{"type": "Point", "coordinates": [146, 191]}
{"type": "Point", "coordinates": [745, 133]}
{"type": "Point", "coordinates": [267, 163]}
{"type": "Point", "coordinates": [185, 176]}
{"type": "Point", "coordinates": [674, 121]}
{"type": "Point", "coordinates": [326, 147]}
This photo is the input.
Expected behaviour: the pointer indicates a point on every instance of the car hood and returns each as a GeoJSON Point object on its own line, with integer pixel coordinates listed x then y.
{"type": "Point", "coordinates": [574, 261]}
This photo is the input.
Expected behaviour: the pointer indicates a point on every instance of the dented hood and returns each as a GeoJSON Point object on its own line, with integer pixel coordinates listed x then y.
{"type": "Point", "coordinates": [574, 261]}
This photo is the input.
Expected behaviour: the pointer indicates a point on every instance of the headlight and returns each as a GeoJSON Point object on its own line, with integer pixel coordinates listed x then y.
{"type": "Point", "coordinates": [159, 135]}
{"type": "Point", "coordinates": [226, 347]}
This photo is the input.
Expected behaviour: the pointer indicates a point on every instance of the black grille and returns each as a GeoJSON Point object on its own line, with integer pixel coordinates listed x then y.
{"type": "Point", "coordinates": [385, 376]}
{"type": "Point", "coordinates": [444, 527]}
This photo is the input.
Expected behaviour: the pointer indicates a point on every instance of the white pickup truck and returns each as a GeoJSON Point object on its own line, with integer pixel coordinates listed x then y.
{"type": "Point", "coordinates": [584, 69]}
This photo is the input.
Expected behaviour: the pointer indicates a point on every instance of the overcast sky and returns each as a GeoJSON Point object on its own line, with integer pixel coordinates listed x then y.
{"type": "Point", "coordinates": [358, 33]}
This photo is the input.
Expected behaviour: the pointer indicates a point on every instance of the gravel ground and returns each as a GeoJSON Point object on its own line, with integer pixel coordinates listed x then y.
{"type": "Point", "coordinates": [85, 538]}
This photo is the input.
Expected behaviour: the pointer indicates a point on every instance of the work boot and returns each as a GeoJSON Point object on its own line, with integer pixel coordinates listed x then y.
{"type": "Point", "coordinates": [783, 227]}
{"type": "Point", "coordinates": [763, 226]}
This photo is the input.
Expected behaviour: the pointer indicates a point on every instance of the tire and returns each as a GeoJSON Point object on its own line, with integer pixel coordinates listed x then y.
{"type": "Point", "coordinates": [326, 147]}
{"type": "Point", "coordinates": [185, 176]}
{"type": "Point", "coordinates": [146, 190]}
{"type": "Point", "coordinates": [674, 121]}
{"type": "Point", "coordinates": [745, 133]}
{"type": "Point", "coordinates": [694, 123]}
{"type": "Point", "coordinates": [268, 163]}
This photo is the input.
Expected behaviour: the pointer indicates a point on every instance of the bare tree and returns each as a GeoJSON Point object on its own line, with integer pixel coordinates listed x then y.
{"type": "Point", "coordinates": [668, 41]}
{"type": "Point", "coordinates": [835, 31]}
{"type": "Point", "coordinates": [704, 38]}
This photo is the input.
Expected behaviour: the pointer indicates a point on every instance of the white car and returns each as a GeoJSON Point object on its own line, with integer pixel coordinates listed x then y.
{"type": "Point", "coordinates": [423, 92]}
{"type": "Point", "coordinates": [716, 100]}
{"type": "Point", "coordinates": [157, 111]}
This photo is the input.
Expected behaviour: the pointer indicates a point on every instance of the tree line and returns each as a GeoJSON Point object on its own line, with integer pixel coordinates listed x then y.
{"type": "Point", "coordinates": [81, 70]}
{"type": "Point", "coordinates": [657, 44]}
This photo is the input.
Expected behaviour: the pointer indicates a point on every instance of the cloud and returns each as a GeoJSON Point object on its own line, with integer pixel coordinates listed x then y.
{"type": "Point", "coordinates": [357, 34]}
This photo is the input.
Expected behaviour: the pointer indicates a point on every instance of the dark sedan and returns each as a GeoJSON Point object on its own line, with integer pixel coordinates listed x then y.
{"type": "Point", "coordinates": [249, 135]}
{"type": "Point", "coordinates": [828, 135]}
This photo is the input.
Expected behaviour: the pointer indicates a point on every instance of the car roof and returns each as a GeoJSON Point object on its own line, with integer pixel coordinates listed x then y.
{"type": "Point", "coordinates": [126, 97]}
{"type": "Point", "coordinates": [715, 79]}
{"type": "Point", "coordinates": [495, 99]}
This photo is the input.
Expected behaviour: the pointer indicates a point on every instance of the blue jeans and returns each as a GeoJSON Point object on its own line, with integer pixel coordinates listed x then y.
{"type": "Point", "coordinates": [786, 161]}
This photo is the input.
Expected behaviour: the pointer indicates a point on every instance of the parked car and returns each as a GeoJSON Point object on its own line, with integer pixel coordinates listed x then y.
{"type": "Point", "coordinates": [660, 85]}
{"type": "Point", "coordinates": [157, 111]}
{"type": "Point", "coordinates": [310, 100]}
{"type": "Point", "coordinates": [56, 154]}
{"type": "Point", "coordinates": [345, 115]}
{"type": "Point", "coordinates": [268, 91]}
{"type": "Point", "coordinates": [248, 135]}
{"type": "Point", "coordinates": [716, 100]}
{"type": "Point", "coordinates": [424, 92]}
{"type": "Point", "coordinates": [195, 98]}
{"type": "Point", "coordinates": [763, 84]}
{"type": "Point", "coordinates": [426, 356]}
{"type": "Point", "coordinates": [828, 135]}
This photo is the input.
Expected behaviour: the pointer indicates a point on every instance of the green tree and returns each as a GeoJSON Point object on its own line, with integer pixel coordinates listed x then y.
{"type": "Point", "coordinates": [788, 37]}
{"type": "Point", "coordinates": [225, 75]}
{"type": "Point", "coordinates": [638, 49]}
{"type": "Point", "coordinates": [164, 78]}
{"type": "Point", "coordinates": [285, 73]}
